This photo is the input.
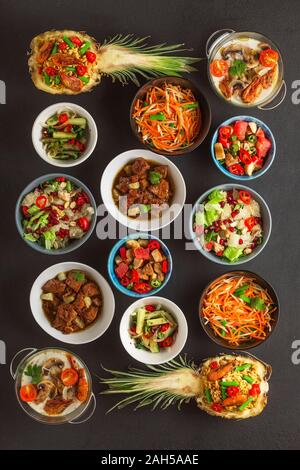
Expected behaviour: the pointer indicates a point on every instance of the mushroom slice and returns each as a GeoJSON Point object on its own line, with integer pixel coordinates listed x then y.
{"type": "Point", "coordinates": [46, 389]}
{"type": "Point", "coordinates": [234, 51]}
{"type": "Point", "coordinates": [68, 393]}
{"type": "Point", "coordinates": [53, 367]}
{"type": "Point", "coordinates": [264, 45]}
{"type": "Point", "coordinates": [237, 87]}
{"type": "Point", "coordinates": [251, 57]}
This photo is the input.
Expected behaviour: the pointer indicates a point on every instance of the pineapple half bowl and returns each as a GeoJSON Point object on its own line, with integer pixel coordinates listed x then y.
{"type": "Point", "coordinates": [231, 386]}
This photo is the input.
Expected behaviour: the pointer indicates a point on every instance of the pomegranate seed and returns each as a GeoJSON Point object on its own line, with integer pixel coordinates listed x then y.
{"type": "Point", "coordinates": [241, 241]}
{"type": "Point", "coordinates": [231, 229]}
{"type": "Point", "coordinates": [222, 203]}
{"type": "Point", "coordinates": [235, 213]}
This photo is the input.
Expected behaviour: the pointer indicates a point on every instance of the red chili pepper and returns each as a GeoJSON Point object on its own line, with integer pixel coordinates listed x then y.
{"type": "Point", "coordinates": [60, 179]}
{"type": "Point", "coordinates": [217, 407]}
{"type": "Point", "coordinates": [50, 71]}
{"type": "Point", "coordinates": [225, 132]}
{"type": "Point", "coordinates": [91, 56]}
{"type": "Point", "coordinates": [25, 211]}
{"type": "Point", "coordinates": [41, 201]}
{"type": "Point", "coordinates": [214, 365]}
{"type": "Point", "coordinates": [83, 223]}
{"type": "Point", "coordinates": [135, 276]}
{"type": "Point", "coordinates": [125, 281]}
{"type": "Point", "coordinates": [63, 117]}
{"type": "Point", "coordinates": [245, 197]}
{"type": "Point", "coordinates": [150, 308]}
{"type": "Point", "coordinates": [123, 252]}
{"type": "Point", "coordinates": [164, 266]}
{"type": "Point", "coordinates": [68, 128]}
{"type": "Point", "coordinates": [133, 330]}
{"type": "Point", "coordinates": [153, 245]}
{"type": "Point", "coordinates": [141, 287]}
{"type": "Point", "coordinates": [164, 327]}
{"type": "Point", "coordinates": [62, 46]}
{"type": "Point", "coordinates": [236, 169]}
{"type": "Point", "coordinates": [249, 223]}
{"type": "Point", "coordinates": [255, 390]}
{"type": "Point", "coordinates": [245, 157]}
{"type": "Point", "coordinates": [224, 142]}
{"type": "Point", "coordinates": [232, 391]}
{"type": "Point", "coordinates": [166, 343]}
{"type": "Point", "coordinates": [75, 40]}
{"type": "Point", "coordinates": [81, 70]}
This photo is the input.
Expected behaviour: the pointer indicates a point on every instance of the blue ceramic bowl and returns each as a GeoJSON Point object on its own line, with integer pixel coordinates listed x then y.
{"type": "Point", "coordinates": [266, 225]}
{"type": "Point", "coordinates": [111, 264]}
{"type": "Point", "coordinates": [75, 243]}
{"type": "Point", "coordinates": [268, 160]}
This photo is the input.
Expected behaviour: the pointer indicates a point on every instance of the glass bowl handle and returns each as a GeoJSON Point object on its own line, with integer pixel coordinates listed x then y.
{"type": "Point", "coordinates": [94, 403]}
{"type": "Point", "coordinates": [283, 90]}
{"type": "Point", "coordinates": [212, 37]}
{"type": "Point", "coordinates": [11, 367]}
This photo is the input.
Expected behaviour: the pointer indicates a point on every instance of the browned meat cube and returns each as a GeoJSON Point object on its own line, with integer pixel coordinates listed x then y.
{"type": "Point", "coordinates": [54, 286]}
{"type": "Point", "coordinates": [140, 166]}
{"type": "Point", "coordinates": [97, 301]}
{"type": "Point", "coordinates": [123, 185]}
{"type": "Point", "coordinates": [137, 263]}
{"type": "Point", "coordinates": [142, 275]}
{"type": "Point", "coordinates": [79, 303]}
{"type": "Point", "coordinates": [73, 283]}
{"type": "Point", "coordinates": [162, 169]}
{"type": "Point", "coordinates": [90, 314]}
{"type": "Point", "coordinates": [90, 289]}
{"type": "Point", "coordinates": [148, 270]}
{"type": "Point", "coordinates": [66, 312]}
{"type": "Point", "coordinates": [144, 183]}
{"type": "Point", "coordinates": [56, 406]}
{"type": "Point", "coordinates": [161, 190]}
{"type": "Point", "coordinates": [49, 308]}
{"type": "Point", "coordinates": [157, 256]}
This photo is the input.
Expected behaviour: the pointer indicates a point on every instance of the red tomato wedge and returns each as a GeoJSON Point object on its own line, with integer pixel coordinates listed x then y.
{"type": "Point", "coordinates": [218, 68]}
{"type": "Point", "coordinates": [69, 377]}
{"type": "Point", "coordinates": [28, 393]}
{"type": "Point", "coordinates": [263, 145]}
{"type": "Point", "coordinates": [240, 128]}
{"type": "Point", "coordinates": [269, 58]}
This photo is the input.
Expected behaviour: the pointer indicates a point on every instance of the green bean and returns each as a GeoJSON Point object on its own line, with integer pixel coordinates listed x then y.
{"type": "Point", "coordinates": [242, 367]}
{"type": "Point", "coordinates": [84, 79]}
{"type": "Point", "coordinates": [54, 49]}
{"type": "Point", "coordinates": [67, 41]}
{"type": "Point", "coordinates": [248, 379]}
{"type": "Point", "coordinates": [70, 68]}
{"type": "Point", "coordinates": [84, 47]}
{"type": "Point", "coordinates": [229, 384]}
{"type": "Point", "coordinates": [191, 105]}
{"type": "Point", "coordinates": [208, 395]}
{"type": "Point", "coordinates": [246, 403]}
{"type": "Point", "coordinates": [46, 78]}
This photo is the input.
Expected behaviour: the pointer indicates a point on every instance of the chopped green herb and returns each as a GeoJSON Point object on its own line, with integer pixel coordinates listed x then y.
{"type": "Point", "coordinates": [237, 69]}
{"type": "Point", "coordinates": [35, 372]}
{"type": "Point", "coordinates": [79, 276]}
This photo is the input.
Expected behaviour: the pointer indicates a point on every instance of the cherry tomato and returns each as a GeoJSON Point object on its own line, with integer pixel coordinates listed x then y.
{"type": "Point", "coordinates": [153, 245]}
{"type": "Point", "coordinates": [91, 56]}
{"type": "Point", "coordinates": [236, 169]}
{"type": "Point", "coordinates": [255, 390]}
{"type": "Point", "coordinates": [81, 70]}
{"type": "Point", "coordinates": [28, 392]}
{"type": "Point", "coordinates": [166, 343]}
{"type": "Point", "coordinates": [218, 68]}
{"type": "Point", "coordinates": [269, 58]}
{"type": "Point", "coordinates": [41, 201]}
{"type": "Point", "coordinates": [69, 377]}
{"type": "Point", "coordinates": [164, 327]}
{"type": "Point", "coordinates": [63, 117]}
{"type": "Point", "coordinates": [245, 197]}
{"type": "Point", "coordinates": [217, 407]}
{"type": "Point", "coordinates": [232, 391]}
{"type": "Point", "coordinates": [214, 365]}
{"type": "Point", "coordinates": [249, 223]}
{"type": "Point", "coordinates": [62, 46]}
{"type": "Point", "coordinates": [245, 157]}
{"type": "Point", "coordinates": [83, 223]}
{"type": "Point", "coordinates": [225, 132]}
{"type": "Point", "coordinates": [50, 71]}
{"type": "Point", "coordinates": [150, 308]}
{"type": "Point", "coordinates": [75, 40]}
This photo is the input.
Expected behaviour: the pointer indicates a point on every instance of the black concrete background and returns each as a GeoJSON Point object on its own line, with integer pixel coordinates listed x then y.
{"type": "Point", "coordinates": [189, 21]}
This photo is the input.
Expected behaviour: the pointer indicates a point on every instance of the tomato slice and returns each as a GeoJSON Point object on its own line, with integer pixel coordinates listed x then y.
{"type": "Point", "coordinates": [69, 377]}
{"type": "Point", "coordinates": [167, 342]}
{"type": "Point", "coordinates": [28, 392]}
{"type": "Point", "coordinates": [225, 132]}
{"type": "Point", "coordinates": [269, 58]}
{"type": "Point", "coordinates": [245, 197]}
{"type": "Point", "coordinates": [249, 223]}
{"type": "Point", "coordinates": [224, 142]}
{"type": "Point", "coordinates": [218, 68]}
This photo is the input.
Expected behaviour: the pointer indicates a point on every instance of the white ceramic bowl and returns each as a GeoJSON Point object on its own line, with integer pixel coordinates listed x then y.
{"type": "Point", "coordinates": [148, 357]}
{"type": "Point", "coordinates": [168, 215]}
{"type": "Point", "coordinates": [93, 331]}
{"type": "Point", "coordinates": [42, 118]}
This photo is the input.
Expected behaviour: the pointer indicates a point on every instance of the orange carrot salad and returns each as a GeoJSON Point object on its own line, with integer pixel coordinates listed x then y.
{"type": "Point", "coordinates": [238, 309]}
{"type": "Point", "coordinates": [168, 118]}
